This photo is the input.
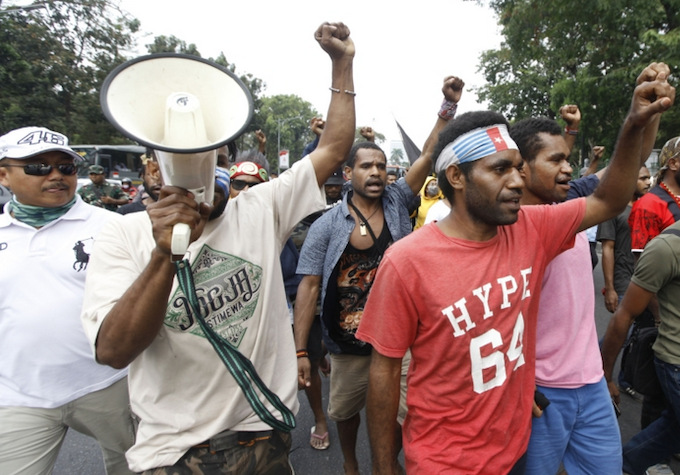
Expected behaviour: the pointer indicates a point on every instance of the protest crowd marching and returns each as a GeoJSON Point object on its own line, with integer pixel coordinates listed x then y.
{"type": "Point", "coordinates": [453, 304]}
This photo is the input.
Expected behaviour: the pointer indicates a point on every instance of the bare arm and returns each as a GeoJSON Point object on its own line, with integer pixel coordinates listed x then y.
{"type": "Point", "coordinates": [134, 321]}
{"type": "Point", "coordinates": [338, 135]}
{"type": "Point", "coordinates": [571, 114]}
{"type": "Point", "coordinates": [304, 313]}
{"type": "Point", "coordinates": [618, 183]}
{"type": "Point", "coordinates": [632, 305]}
{"type": "Point", "coordinates": [261, 142]}
{"type": "Point", "coordinates": [382, 406]}
{"type": "Point", "coordinates": [419, 171]}
{"type": "Point", "coordinates": [611, 298]}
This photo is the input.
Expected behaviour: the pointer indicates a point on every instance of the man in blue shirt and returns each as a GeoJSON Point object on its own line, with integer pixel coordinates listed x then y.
{"type": "Point", "coordinates": [341, 254]}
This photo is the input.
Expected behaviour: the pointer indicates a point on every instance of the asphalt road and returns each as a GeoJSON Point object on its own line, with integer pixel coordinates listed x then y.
{"type": "Point", "coordinates": [80, 455]}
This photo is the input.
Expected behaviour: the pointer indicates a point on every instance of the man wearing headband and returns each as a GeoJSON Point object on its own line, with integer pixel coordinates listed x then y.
{"type": "Point", "coordinates": [579, 427]}
{"type": "Point", "coordinates": [471, 328]}
{"type": "Point", "coordinates": [48, 378]}
{"type": "Point", "coordinates": [192, 410]}
{"type": "Point", "coordinates": [244, 176]}
{"type": "Point", "coordinates": [659, 208]}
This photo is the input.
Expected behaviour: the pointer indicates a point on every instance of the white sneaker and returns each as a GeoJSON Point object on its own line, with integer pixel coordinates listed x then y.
{"type": "Point", "coordinates": [659, 469]}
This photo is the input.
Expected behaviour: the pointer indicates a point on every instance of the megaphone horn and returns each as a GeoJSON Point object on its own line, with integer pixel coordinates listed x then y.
{"type": "Point", "coordinates": [184, 107]}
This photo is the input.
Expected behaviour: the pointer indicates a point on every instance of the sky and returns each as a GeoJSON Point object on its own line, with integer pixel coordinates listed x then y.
{"type": "Point", "coordinates": [403, 52]}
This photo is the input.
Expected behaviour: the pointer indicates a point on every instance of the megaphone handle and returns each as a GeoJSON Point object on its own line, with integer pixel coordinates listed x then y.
{"type": "Point", "coordinates": [181, 234]}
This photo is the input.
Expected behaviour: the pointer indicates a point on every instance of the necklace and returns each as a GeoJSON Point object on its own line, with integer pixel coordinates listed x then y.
{"type": "Point", "coordinates": [363, 225]}
{"type": "Point", "coordinates": [675, 197]}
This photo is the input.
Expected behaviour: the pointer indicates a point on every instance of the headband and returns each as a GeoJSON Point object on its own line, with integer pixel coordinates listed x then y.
{"type": "Point", "coordinates": [248, 169]}
{"type": "Point", "coordinates": [476, 144]}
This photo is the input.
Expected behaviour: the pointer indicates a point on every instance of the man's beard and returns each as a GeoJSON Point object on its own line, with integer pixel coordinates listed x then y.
{"type": "Point", "coordinates": [219, 209]}
{"type": "Point", "coordinates": [486, 211]}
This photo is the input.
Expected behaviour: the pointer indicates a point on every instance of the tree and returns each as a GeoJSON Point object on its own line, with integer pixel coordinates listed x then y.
{"type": "Point", "coordinates": [171, 44]}
{"type": "Point", "coordinates": [580, 52]}
{"type": "Point", "coordinates": [53, 62]}
{"type": "Point", "coordinates": [397, 157]}
{"type": "Point", "coordinates": [290, 115]}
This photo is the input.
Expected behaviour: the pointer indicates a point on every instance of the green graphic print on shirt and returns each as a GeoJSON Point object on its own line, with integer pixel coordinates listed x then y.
{"type": "Point", "coordinates": [227, 288]}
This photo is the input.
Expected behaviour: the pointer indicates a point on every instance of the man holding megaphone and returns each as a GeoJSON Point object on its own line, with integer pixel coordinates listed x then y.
{"type": "Point", "coordinates": [212, 372]}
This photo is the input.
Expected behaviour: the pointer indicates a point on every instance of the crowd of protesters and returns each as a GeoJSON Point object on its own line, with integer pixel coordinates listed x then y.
{"type": "Point", "coordinates": [453, 303]}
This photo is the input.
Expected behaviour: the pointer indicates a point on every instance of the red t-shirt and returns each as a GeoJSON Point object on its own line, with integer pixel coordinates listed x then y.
{"type": "Point", "coordinates": [468, 312]}
{"type": "Point", "coordinates": [648, 217]}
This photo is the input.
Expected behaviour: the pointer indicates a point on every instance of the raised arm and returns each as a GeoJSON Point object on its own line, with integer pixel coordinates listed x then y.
{"type": "Point", "coordinates": [261, 142]}
{"type": "Point", "coordinates": [650, 98]}
{"type": "Point", "coordinates": [421, 168]}
{"type": "Point", "coordinates": [338, 136]}
{"type": "Point", "coordinates": [571, 114]}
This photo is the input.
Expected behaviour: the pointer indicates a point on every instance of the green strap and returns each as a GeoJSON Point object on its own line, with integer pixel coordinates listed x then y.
{"type": "Point", "coordinates": [238, 365]}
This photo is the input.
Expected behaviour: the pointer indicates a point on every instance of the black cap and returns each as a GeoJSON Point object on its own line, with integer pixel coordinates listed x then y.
{"type": "Point", "coordinates": [336, 178]}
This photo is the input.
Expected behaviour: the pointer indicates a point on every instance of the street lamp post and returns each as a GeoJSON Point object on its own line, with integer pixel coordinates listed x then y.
{"type": "Point", "coordinates": [278, 137]}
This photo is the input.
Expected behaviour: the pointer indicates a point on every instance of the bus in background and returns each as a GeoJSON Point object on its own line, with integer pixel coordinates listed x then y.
{"type": "Point", "coordinates": [118, 161]}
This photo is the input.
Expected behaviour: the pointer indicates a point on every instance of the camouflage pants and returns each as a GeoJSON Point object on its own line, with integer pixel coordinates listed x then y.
{"type": "Point", "coordinates": [264, 457]}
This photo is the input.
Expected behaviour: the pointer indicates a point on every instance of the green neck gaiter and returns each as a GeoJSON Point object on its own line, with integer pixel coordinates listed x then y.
{"type": "Point", "coordinates": [38, 216]}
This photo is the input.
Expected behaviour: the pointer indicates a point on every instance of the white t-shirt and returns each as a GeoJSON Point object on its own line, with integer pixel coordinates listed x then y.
{"type": "Point", "coordinates": [179, 387]}
{"type": "Point", "coordinates": [46, 358]}
{"type": "Point", "coordinates": [437, 212]}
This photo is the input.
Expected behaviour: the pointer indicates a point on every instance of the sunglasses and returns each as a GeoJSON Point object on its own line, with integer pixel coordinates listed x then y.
{"type": "Point", "coordinates": [40, 169]}
{"type": "Point", "coordinates": [238, 185]}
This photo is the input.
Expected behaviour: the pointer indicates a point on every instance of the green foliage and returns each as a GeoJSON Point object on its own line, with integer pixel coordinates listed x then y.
{"type": "Point", "coordinates": [288, 114]}
{"type": "Point", "coordinates": [171, 44]}
{"type": "Point", "coordinates": [53, 62]}
{"type": "Point", "coordinates": [397, 157]}
{"type": "Point", "coordinates": [584, 52]}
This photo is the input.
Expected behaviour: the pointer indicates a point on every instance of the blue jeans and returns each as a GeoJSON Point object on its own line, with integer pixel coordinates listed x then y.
{"type": "Point", "coordinates": [660, 439]}
{"type": "Point", "coordinates": [579, 429]}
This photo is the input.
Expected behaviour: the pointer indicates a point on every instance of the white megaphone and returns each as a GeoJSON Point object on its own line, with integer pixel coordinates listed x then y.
{"type": "Point", "coordinates": [183, 107]}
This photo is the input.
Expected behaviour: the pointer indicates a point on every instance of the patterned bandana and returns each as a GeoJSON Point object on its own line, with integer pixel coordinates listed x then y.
{"type": "Point", "coordinates": [222, 179]}
{"type": "Point", "coordinates": [37, 216]}
{"type": "Point", "coordinates": [248, 169]}
{"type": "Point", "coordinates": [476, 144]}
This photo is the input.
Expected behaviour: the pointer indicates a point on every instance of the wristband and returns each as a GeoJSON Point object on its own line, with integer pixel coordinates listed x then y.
{"type": "Point", "coordinates": [302, 354]}
{"type": "Point", "coordinates": [569, 131]}
{"type": "Point", "coordinates": [448, 110]}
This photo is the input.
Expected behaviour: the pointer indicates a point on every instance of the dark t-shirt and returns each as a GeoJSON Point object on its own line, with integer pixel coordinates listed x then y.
{"type": "Point", "coordinates": [347, 291]}
{"type": "Point", "coordinates": [617, 230]}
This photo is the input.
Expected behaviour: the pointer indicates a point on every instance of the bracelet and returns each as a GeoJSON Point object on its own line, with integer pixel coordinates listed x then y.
{"type": "Point", "coordinates": [448, 110]}
{"type": "Point", "coordinates": [569, 131]}
{"type": "Point", "coordinates": [302, 354]}
{"type": "Point", "coordinates": [352, 93]}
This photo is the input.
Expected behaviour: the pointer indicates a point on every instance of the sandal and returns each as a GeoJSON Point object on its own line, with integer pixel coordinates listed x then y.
{"type": "Point", "coordinates": [324, 438]}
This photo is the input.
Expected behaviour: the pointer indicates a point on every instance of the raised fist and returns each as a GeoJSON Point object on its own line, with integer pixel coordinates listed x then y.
{"type": "Point", "coordinates": [367, 133]}
{"type": "Point", "coordinates": [571, 115]}
{"type": "Point", "coordinates": [334, 40]}
{"type": "Point", "coordinates": [453, 88]}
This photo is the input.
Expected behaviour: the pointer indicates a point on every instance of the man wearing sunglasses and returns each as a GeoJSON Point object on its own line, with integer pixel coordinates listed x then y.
{"type": "Point", "coordinates": [48, 378]}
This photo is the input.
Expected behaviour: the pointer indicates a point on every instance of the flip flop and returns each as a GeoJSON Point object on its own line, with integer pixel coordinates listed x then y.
{"type": "Point", "coordinates": [323, 437]}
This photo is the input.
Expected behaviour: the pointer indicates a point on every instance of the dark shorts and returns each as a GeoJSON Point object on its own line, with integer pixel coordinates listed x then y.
{"type": "Point", "coordinates": [266, 456]}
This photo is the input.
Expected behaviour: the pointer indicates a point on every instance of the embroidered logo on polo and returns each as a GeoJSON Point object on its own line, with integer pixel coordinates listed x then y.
{"type": "Point", "coordinates": [227, 288]}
